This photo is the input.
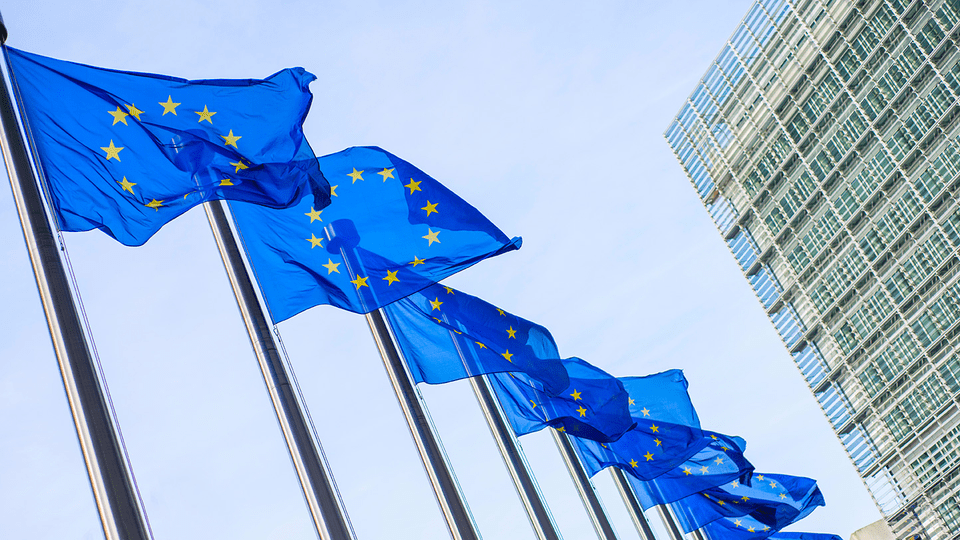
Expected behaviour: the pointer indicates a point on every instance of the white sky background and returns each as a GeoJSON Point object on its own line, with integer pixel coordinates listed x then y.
{"type": "Point", "coordinates": [548, 117]}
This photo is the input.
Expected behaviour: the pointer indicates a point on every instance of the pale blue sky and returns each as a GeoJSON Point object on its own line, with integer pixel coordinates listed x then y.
{"type": "Point", "coordinates": [548, 117]}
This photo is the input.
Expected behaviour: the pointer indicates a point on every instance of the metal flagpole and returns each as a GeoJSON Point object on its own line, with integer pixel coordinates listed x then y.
{"type": "Point", "coordinates": [452, 503]}
{"type": "Point", "coordinates": [698, 534]}
{"type": "Point", "coordinates": [669, 522]}
{"type": "Point", "coordinates": [319, 488]}
{"type": "Point", "coordinates": [523, 480]}
{"type": "Point", "coordinates": [110, 479]}
{"type": "Point", "coordinates": [633, 505]}
{"type": "Point", "coordinates": [585, 487]}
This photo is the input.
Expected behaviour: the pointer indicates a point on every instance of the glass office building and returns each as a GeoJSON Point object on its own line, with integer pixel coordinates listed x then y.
{"type": "Point", "coordinates": [824, 141]}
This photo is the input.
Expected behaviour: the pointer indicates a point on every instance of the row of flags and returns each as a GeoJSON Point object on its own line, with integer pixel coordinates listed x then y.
{"type": "Point", "coordinates": [364, 230]}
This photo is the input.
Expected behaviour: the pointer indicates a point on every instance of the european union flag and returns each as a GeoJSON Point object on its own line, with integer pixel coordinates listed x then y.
{"type": "Point", "coordinates": [667, 431]}
{"type": "Point", "coordinates": [390, 231]}
{"type": "Point", "coordinates": [719, 462]}
{"type": "Point", "coordinates": [593, 406]}
{"type": "Point", "coordinates": [804, 536]}
{"type": "Point", "coordinates": [738, 528]}
{"type": "Point", "coordinates": [127, 152]}
{"type": "Point", "coordinates": [446, 335]}
{"type": "Point", "coordinates": [773, 499]}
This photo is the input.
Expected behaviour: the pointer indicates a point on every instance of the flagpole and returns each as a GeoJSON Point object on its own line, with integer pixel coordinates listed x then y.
{"type": "Point", "coordinates": [633, 505]}
{"type": "Point", "coordinates": [316, 479]}
{"type": "Point", "coordinates": [111, 480]}
{"type": "Point", "coordinates": [445, 486]}
{"type": "Point", "coordinates": [698, 534]}
{"type": "Point", "coordinates": [523, 479]}
{"type": "Point", "coordinates": [669, 522]}
{"type": "Point", "coordinates": [591, 502]}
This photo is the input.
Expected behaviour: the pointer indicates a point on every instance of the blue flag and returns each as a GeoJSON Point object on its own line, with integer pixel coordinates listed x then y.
{"type": "Point", "coordinates": [719, 462]}
{"type": "Point", "coordinates": [773, 499]}
{"type": "Point", "coordinates": [127, 152]}
{"type": "Point", "coordinates": [738, 528]}
{"type": "Point", "coordinates": [804, 536]}
{"type": "Point", "coordinates": [446, 335]}
{"type": "Point", "coordinates": [667, 431]}
{"type": "Point", "coordinates": [390, 231]}
{"type": "Point", "coordinates": [593, 406]}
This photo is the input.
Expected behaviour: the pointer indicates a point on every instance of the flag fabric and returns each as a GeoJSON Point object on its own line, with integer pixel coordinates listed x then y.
{"type": "Point", "coordinates": [445, 335]}
{"type": "Point", "coordinates": [773, 499]}
{"type": "Point", "coordinates": [804, 536]}
{"type": "Point", "coordinates": [719, 462]}
{"type": "Point", "coordinates": [666, 435]}
{"type": "Point", "coordinates": [390, 231]}
{"type": "Point", "coordinates": [127, 152]}
{"type": "Point", "coordinates": [593, 406]}
{"type": "Point", "coordinates": [738, 528]}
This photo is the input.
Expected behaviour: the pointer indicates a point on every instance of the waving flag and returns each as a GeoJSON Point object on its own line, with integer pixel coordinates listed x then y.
{"type": "Point", "coordinates": [390, 231]}
{"type": "Point", "coordinates": [127, 152]}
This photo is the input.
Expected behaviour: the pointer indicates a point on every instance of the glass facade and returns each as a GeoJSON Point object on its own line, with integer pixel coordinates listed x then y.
{"type": "Point", "coordinates": [824, 141]}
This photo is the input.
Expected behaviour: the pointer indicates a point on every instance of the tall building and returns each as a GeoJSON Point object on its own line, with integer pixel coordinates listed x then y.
{"type": "Point", "coordinates": [824, 143]}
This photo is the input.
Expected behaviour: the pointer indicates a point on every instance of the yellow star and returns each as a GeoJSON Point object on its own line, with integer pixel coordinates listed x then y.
{"type": "Point", "coordinates": [169, 106]}
{"type": "Point", "coordinates": [333, 191]}
{"type": "Point", "coordinates": [314, 215]}
{"type": "Point", "coordinates": [134, 112]}
{"type": "Point", "coordinates": [431, 237]}
{"type": "Point", "coordinates": [633, 463]}
{"type": "Point", "coordinates": [654, 428]}
{"type": "Point", "coordinates": [575, 395]}
{"type": "Point", "coordinates": [360, 282]}
{"type": "Point", "coordinates": [413, 185]}
{"type": "Point", "coordinates": [582, 411]}
{"type": "Point", "coordinates": [718, 461]}
{"type": "Point", "coordinates": [714, 437]}
{"type": "Point", "coordinates": [386, 173]}
{"type": "Point", "coordinates": [534, 403]}
{"type": "Point", "coordinates": [500, 311]}
{"type": "Point", "coordinates": [704, 470]}
{"type": "Point", "coordinates": [449, 290]}
{"type": "Point", "coordinates": [507, 355]}
{"type": "Point", "coordinates": [649, 456]}
{"type": "Point", "coordinates": [721, 503]}
{"type": "Point", "coordinates": [511, 333]}
{"type": "Point", "coordinates": [630, 401]}
{"type": "Point", "coordinates": [435, 304]}
{"type": "Point", "coordinates": [205, 115]}
{"type": "Point", "coordinates": [562, 429]}
{"type": "Point", "coordinates": [416, 261]}
{"type": "Point", "coordinates": [783, 495]}
{"type": "Point", "coordinates": [314, 241]}
{"type": "Point", "coordinates": [239, 165]}
{"type": "Point", "coordinates": [751, 529]}
{"type": "Point", "coordinates": [118, 116]}
{"type": "Point", "coordinates": [760, 477]}
{"type": "Point", "coordinates": [155, 204]}
{"type": "Point", "coordinates": [773, 484]}
{"type": "Point", "coordinates": [230, 139]}
{"type": "Point", "coordinates": [735, 484]}
{"type": "Point", "coordinates": [481, 345]}
{"type": "Point", "coordinates": [331, 266]}
{"type": "Point", "coordinates": [687, 471]}
{"type": "Point", "coordinates": [724, 448]}
{"type": "Point", "coordinates": [226, 182]}
{"type": "Point", "coordinates": [356, 175]}
{"type": "Point", "coordinates": [744, 498]}
{"type": "Point", "coordinates": [645, 411]}
{"type": "Point", "coordinates": [112, 151]}
{"type": "Point", "coordinates": [391, 277]}
{"type": "Point", "coordinates": [127, 185]}
{"type": "Point", "coordinates": [737, 522]}
{"type": "Point", "coordinates": [657, 441]}
{"type": "Point", "coordinates": [430, 208]}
